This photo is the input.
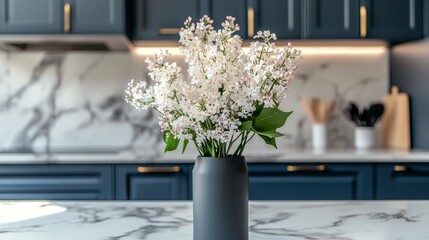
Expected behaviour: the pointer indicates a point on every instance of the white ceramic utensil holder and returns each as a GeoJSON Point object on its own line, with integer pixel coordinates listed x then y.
{"type": "Point", "coordinates": [364, 138]}
{"type": "Point", "coordinates": [320, 136]}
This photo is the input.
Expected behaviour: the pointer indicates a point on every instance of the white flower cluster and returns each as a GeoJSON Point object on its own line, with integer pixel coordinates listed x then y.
{"type": "Point", "coordinates": [225, 84]}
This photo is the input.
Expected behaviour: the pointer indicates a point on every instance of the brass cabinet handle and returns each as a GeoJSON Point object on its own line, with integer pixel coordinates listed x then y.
{"type": "Point", "coordinates": [363, 22]}
{"type": "Point", "coordinates": [67, 10]}
{"type": "Point", "coordinates": [318, 168]}
{"type": "Point", "coordinates": [399, 168]}
{"type": "Point", "coordinates": [250, 22]}
{"type": "Point", "coordinates": [168, 31]}
{"type": "Point", "coordinates": [174, 169]}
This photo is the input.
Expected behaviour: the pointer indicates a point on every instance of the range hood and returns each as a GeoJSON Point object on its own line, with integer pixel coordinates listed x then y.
{"type": "Point", "coordinates": [64, 42]}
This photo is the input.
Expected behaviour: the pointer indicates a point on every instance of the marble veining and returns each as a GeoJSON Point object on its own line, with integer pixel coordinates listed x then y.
{"type": "Point", "coordinates": [119, 220]}
{"type": "Point", "coordinates": [73, 101]}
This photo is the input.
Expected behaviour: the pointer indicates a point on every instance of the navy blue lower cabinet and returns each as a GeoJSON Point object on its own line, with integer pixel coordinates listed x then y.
{"type": "Point", "coordinates": [56, 182]}
{"type": "Point", "coordinates": [310, 181]}
{"type": "Point", "coordinates": [402, 181]}
{"type": "Point", "coordinates": [152, 182]}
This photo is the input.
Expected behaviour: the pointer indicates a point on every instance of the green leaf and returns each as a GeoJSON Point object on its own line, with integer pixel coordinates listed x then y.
{"type": "Point", "coordinates": [271, 133]}
{"type": "Point", "coordinates": [185, 143]}
{"type": "Point", "coordinates": [258, 110]}
{"type": "Point", "coordinates": [172, 143]}
{"type": "Point", "coordinates": [269, 140]}
{"type": "Point", "coordinates": [165, 136]}
{"type": "Point", "coordinates": [246, 126]}
{"type": "Point", "coordinates": [270, 119]}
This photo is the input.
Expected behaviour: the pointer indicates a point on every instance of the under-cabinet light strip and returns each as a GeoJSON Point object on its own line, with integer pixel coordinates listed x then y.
{"type": "Point", "coordinates": [306, 50]}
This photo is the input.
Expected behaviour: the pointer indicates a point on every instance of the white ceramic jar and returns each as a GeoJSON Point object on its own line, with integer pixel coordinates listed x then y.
{"type": "Point", "coordinates": [364, 138]}
{"type": "Point", "coordinates": [320, 136]}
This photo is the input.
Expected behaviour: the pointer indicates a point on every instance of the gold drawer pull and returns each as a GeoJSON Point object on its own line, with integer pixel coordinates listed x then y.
{"type": "Point", "coordinates": [400, 168]}
{"type": "Point", "coordinates": [318, 168]}
{"type": "Point", "coordinates": [250, 22]}
{"type": "Point", "coordinates": [363, 22]}
{"type": "Point", "coordinates": [174, 169]}
{"type": "Point", "coordinates": [67, 24]}
{"type": "Point", "coordinates": [169, 31]}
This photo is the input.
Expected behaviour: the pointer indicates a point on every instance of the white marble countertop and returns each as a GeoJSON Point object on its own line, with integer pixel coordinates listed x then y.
{"type": "Point", "coordinates": [119, 220]}
{"type": "Point", "coordinates": [289, 156]}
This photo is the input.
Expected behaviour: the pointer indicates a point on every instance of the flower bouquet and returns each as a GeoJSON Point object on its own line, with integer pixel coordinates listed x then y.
{"type": "Point", "coordinates": [230, 95]}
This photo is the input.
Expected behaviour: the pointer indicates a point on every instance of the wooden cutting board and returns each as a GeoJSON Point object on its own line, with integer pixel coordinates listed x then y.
{"type": "Point", "coordinates": [396, 120]}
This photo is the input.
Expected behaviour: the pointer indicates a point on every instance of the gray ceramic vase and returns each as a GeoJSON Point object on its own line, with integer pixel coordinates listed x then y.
{"type": "Point", "coordinates": [220, 195]}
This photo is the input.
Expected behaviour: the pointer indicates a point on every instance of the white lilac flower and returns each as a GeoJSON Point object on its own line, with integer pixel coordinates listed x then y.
{"type": "Point", "coordinates": [225, 85]}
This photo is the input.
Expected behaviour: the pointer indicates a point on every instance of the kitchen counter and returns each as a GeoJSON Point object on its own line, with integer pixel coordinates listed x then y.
{"type": "Point", "coordinates": [377, 220]}
{"type": "Point", "coordinates": [291, 156]}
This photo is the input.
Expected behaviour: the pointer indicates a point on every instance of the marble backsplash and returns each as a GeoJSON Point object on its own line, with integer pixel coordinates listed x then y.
{"type": "Point", "coordinates": [73, 102]}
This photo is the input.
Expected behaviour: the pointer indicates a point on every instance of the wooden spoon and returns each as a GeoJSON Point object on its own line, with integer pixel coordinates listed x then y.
{"type": "Point", "coordinates": [308, 110]}
{"type": "Point", "coordinates": [315, 108]}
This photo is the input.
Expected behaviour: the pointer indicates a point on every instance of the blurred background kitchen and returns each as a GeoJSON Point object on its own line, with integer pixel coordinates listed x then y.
{"type": "Point", "coordinates": [64, 66]}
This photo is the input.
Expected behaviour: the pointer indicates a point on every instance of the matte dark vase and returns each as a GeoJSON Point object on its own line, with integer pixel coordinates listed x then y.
{"type": "Point", "coordinates": [220, 195]}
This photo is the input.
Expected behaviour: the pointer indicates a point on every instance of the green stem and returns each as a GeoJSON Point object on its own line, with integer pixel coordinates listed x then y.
{"type": "Point", "coordinates": [242, 149]}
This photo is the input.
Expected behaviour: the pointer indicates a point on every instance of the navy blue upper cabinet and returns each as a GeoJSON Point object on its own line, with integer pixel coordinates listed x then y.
{"type": "Point", "coordinates": [402, 181]}
{"type": "Point", "coordinates": [393, 20]}
{"type": "Point", "coordinates": [56, 182]}
{"type": "Point", "coordinates": [96, 16]}
{"type": "Point", "coordinates": [426, 17]}
{"type": "Point", "coordinates": [331, 19]}
{"type": "Point", "coordinates": [310, 181]}
{"type": "Point", "coordinates": [62, 16]}
{"type": "Point", "coordinates": [30, 16]}
{"type": "Point", "coordinates": [218, 10]}
{"type": "Point", "coordinates": [162, 19]}
{"type": "Point", "coordinates": [279, 16]}
{"type": "Point", "coordinates": [152, 182]}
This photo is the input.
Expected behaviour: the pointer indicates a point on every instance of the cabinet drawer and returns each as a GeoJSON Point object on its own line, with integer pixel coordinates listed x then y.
{"type": "Point", "coordinates": [152, 182]}
{"type": "Point", "coordinates": [402, 181]}
{"type": "Point", "coordinates": [310, 181]}
{"type": "Point", "coordinates": [56, 182]}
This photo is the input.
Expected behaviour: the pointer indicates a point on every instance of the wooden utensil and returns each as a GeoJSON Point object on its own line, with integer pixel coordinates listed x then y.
{"type": "Point", "coordinates": [396, 120]}
{"type": "Point", "coordinates": [322, 111]}
{"type": "Point", "coordinates": [317, 110]}
{"type": "Point", "coordinates": [308, 110]}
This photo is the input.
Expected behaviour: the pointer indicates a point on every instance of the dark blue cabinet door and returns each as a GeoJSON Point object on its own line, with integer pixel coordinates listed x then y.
{"type": "Point", "coordinates": [151, 182]}
{"type": "Point", "coordinates": [394, 20]}
{"type": "Point", "coordinates": [279, 16]}
{"type": "Point", "coordinates": [97, 16]}
{"type": "Point", "coordinates": [162, 19]}
{"type": "Point", "coordinates": [310, 181]}
{"type": "Point", "coordinates": [30, 16]}
{"type": "Point", "coordinates": [331, 19]}
{"type": "Point", "coordinates": [56, 182]}
{"type": "Point", "coordinates": [402, 181]}
{"type": "Point", "coordinates": [218, 10]}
